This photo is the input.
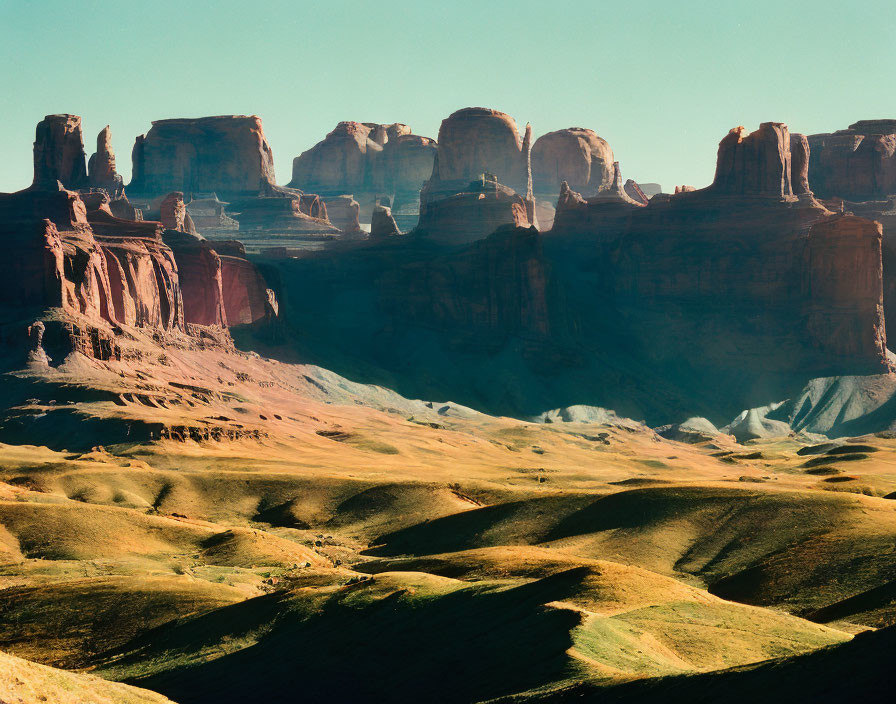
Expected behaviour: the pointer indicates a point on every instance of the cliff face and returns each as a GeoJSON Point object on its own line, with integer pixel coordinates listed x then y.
{"type": "Point", "coordinates": [854, 170]}
{"type": "Point", "coordinates": [227, 155]}
{"type": "Point", "coordinates": [855, 164]}
{"type": "Point", "coordinates": [59, 152]}
{"type": "Point", "coordinates": [346, 161]}
{"type": "Point", "coordinates": [575, 155]}
{"type": "Point", "coordinates": [95, 265]}
{"type": "Point", "coordinates": [481, 178]}
{"type": "Point", "coordinates": [71, 252]}
{"type": "Point", "coordinates": [471, 214]}
{"type": "Point", "coordinates": [365, 160]}
{"type": "Point", "coordinates": [474, 141]}
{"type": "Point", "coordinates": [749, 285]}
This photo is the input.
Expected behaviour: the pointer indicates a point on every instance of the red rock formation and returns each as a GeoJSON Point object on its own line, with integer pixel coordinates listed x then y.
{"type": "Point", "coordinates": [844, 287]}
{"type": "Point", "coordinates": [756, 164]}
{"type": "Point", "coordinates": [173, 212]}
{"type": "Point", "coordinates": [693, 266]}
{"type": "Point", "coordinates": [344, 212]}
{"type": "Point", "coordinates": [477, 211]}
{"type": "Point", "coordinates": [799, 165]}
{"type": "Point", "coordinates": [381, 134]}
{"type": "Point", "coordinates": [59, 153]}
{"type": "Point", "coordinates": [407, 163]}
{"type": "Point", "coordinates": [575, 155]}
{"type": "Point", "coordinates": [227, 155]}
{"type": "Point", "coordinates": [247, 298]}
{"type": "Point", "coordinates": [382, 224]}
{"type": "Point", "coordinates": [101, 166]}
{"type": "Point", "coordinates": [107, 269]}
{"type": "Point", "coordinates": [856, 164]}
{"type": "Point", "coordinates": [474, 141]}
{"type": "Point", "coordinates": [633, 191]}
{"type": "Point", "coordinates": [486, 293]}
{"type": "Point", "coordinates": [481, 178]}
{"type": "Point", "coordinates": [200, 273]}
{"type": "Point", "coordinates": [345, 162]}
{"type": "Point", "coordinates": [280, 214]}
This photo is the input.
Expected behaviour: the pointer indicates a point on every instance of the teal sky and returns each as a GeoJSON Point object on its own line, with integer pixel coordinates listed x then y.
{"type": "Point", "coordinates": [662, 82]}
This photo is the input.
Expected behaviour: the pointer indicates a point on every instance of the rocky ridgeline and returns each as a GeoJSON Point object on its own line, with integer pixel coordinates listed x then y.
{"type": "Point", "coordinates": [640, 304]}
{"type": "Point", "coordinates": [646, 300]}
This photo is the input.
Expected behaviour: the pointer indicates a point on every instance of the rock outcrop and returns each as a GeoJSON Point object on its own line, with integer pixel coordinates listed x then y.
{"type": "Point", "coordinates": [101, 166]}
{"type": "Point", "coordinates": [474, 141]}
{"type": "Point", "coordinates": [59, 153]}
{"type": "Point", "coordinates": [481, 178]}
{"type": "Point", "coordinates": [365, 160]}
{"type": "Point", "coordinates": [209, 216]}
{"type": "Point", "coordinates": [749, 285]}
{"type": "Point", "coordinates": [856, 164]}
{"type": "Point", "coordinates": [345, 213]}
{"type": "Point", "coordinates": [345, 162]}
{"type": "Point", "coordinates": [479, 209]}
{"type": "Point", "coordinates": [755, 164]}
{"type": "Point", "coordinates": [71, 251]}
{"type": "Point", "coordinates": [854, 171]}
{"type": "Point", "coordinates": [633, 191]}
{"type": "Point", "coordinates": [227, 155]}
{"type": "Point", "coordinates": [247, 299]}
{"type": "Point", "coordinates": [201, 280]}
{"type": "Point", "coordinates": [382, 224]}
{"type": "Point", "coordinates": [575, 155]}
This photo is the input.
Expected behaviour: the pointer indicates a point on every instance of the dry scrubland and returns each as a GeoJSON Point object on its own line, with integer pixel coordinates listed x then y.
{"type": "Point", "coordinates": [217, 527]}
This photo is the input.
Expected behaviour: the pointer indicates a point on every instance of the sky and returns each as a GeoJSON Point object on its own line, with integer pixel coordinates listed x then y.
{"type": "Point", "coordinates": [662, 82]}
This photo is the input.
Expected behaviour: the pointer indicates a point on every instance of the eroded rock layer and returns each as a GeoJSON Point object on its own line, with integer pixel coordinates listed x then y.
{"type": "Point", "coordinates": [750, 284]}
{"type": "Point", "coordinates": [228, 155]}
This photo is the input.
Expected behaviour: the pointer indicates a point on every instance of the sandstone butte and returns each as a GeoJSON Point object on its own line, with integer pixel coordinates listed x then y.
{"type": "Point", "coordinates": [71, 252]}
{"type": "Point", "coordinates": [702, 260]}
{"type": "Point", "coordinates": [481, 177]}
{"type": "Point", "coordinates": [750, 282]}
{"type": "Point", "coordinates": [224, 157]}
{"type": "Point", "coordinates": [366, 161]}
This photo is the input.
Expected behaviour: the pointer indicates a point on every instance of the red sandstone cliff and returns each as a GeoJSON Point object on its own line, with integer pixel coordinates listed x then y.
{"type": "Point", "coordinates": [228, 155]}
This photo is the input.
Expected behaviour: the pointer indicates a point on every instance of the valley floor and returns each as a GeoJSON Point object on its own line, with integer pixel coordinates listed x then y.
{"type": "Point", "coordinates": [217, 527]}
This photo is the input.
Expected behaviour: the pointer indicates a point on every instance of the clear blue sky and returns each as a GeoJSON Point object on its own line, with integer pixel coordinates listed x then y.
{"type": "Point", "coordinates": [661, 81]}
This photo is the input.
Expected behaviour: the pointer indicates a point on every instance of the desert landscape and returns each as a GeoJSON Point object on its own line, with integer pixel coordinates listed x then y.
{"type": "Point", "coordinates": [465, 417]}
